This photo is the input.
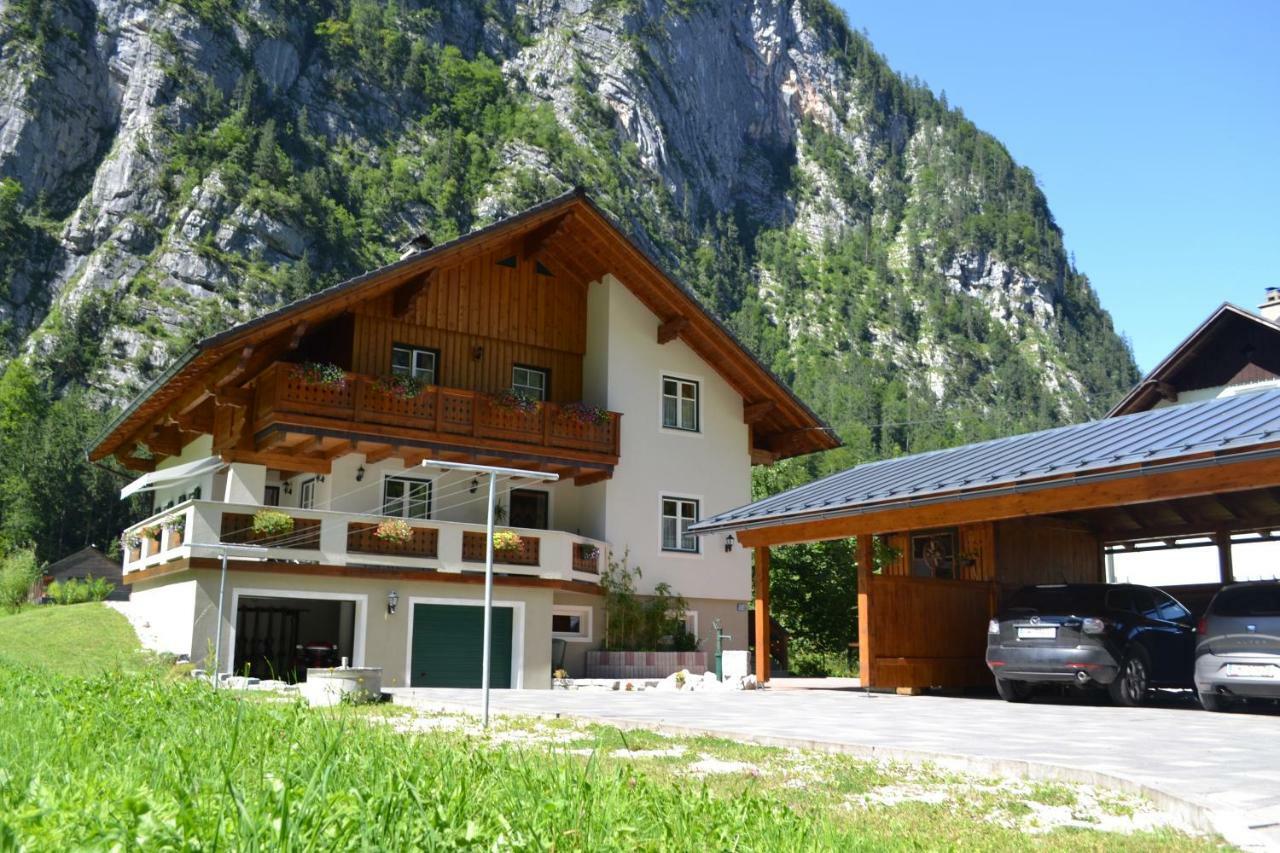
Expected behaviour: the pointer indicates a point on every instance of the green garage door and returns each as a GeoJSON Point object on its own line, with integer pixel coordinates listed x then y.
{"type": "Point", "coordinates": [447, 646]}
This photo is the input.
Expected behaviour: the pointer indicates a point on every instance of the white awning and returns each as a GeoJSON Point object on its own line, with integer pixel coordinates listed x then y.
{"type": "Point", "coordinates": [174, 476]}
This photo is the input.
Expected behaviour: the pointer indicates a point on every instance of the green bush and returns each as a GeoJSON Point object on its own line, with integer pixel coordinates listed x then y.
{"type": "Point", "coordinates": [18, 571]}
{"type": "Point", "coordinates": [272, 522]}
{"type": "Point", "coordinates": [76, 591]}
{"type": "Point", "coordinates": [636, 623]}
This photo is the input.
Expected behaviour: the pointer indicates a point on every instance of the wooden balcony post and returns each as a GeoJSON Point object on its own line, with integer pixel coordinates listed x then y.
{"type": "Point", "coordinates": [1226, 571]}
{"type": "Point", "coordinates": [546, 424]}
{"type": "Point", "coordinates": [357, 398]}
{"type": "Point", "coordinates": [762, 615]}
{"type": "Point", "coordinates": [439, 407]}
{"type": "Point", "coordinates": [866, 666]}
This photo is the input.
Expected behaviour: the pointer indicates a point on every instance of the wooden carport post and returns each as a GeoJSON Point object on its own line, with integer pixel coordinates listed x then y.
{"type": "Point", "coordinates": [866, 554]}
{"type": "Point", "coordinates": [762, 615]}
{"type": "Point", "coordinates": [1225, 569]}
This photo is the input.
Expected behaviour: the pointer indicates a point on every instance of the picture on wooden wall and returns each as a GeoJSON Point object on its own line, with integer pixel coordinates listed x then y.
{"type": "Point", "coordinates": [933, 555]}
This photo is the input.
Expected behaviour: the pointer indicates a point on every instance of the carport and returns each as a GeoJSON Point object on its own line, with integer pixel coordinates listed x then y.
{"type": "Point", "coordinates": [966, 525]}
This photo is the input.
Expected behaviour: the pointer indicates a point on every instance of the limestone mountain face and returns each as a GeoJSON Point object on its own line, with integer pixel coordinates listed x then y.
{"type": "Point", "coordinates": [171, 167]}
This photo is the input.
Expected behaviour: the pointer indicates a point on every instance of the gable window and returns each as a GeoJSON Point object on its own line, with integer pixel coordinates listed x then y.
{"type": "Point", "coordinates": [679, 403]}
{"type": "Point", "coordinates": [677, 516]}
{"type": "Point", "coordinates": [414, 362]}
{"type": "Point", "coordinates": [530, 381]}
{"type": "Point", "coordinates": [406, 497]}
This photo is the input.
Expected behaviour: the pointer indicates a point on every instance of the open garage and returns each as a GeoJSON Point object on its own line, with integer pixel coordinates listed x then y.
{"type": "Point", "coordinates": [280, 635]}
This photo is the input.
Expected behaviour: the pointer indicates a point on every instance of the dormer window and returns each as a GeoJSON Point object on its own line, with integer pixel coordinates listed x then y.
{"type": "Point", "coordinates": [414, 362]}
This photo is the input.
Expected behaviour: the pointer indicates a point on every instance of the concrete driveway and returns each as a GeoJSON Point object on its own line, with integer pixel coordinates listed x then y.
{"type": "Point", "coordinates": [1221, 770]}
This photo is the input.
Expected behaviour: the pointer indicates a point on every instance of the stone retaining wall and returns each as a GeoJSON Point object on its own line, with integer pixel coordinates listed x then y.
{"type": "Point", "coordinates": [643, 664]}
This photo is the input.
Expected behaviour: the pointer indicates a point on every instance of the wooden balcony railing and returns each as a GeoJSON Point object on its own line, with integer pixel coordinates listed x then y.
{"type": "Point", "coordinates": [473, 550]}
{"type": "Point", "coordinates": [449, 411]}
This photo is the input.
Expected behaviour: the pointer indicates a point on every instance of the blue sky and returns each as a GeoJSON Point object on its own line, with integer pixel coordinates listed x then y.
{"type": "Point", "coordinates": [1154, 129]}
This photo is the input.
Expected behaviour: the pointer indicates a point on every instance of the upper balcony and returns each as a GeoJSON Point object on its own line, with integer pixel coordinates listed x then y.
{"type": "Point", "coordinates": [289, 412]}
{"type": "Point", "coordinates": [196, 529]}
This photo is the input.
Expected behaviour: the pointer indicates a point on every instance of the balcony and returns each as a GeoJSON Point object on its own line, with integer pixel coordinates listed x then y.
{"type": "Point", "coordinates": [437, 417]}
{"type": "Point", "coordinates": [347, 539]}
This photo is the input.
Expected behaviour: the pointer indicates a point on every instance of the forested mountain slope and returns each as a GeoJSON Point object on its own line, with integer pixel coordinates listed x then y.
{"type": "Point", "coordinates": [172, 166]}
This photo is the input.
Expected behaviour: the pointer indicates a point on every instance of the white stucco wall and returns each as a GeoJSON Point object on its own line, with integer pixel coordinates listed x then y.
{"type": "Point", "coordinates": [712, 465]}
{"type": "Point", "coordinates": [201, 448]}
{"type": "Point", "coordinates": [163, 611]}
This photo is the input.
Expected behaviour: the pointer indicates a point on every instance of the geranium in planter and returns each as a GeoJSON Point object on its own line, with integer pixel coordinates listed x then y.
{"type": "Point", "coordinates": [270, 523]}
{"type": "Point", "coordinates": [394, 532]}
{"type": "Point", "coordinates": [399, 387]}
{"type": "Point", "coordinates": [514, 401]}
{"type": "Point", "coordinates": [320, 373]}
{"type": "Point", "coordinates": [175, 523]}
{"type": "Point", "coordinates": [131, 541]}
{"type": "Point", "coordinates": [152, 532]}
{"type": "Point", "coordinates": [507, 541]}
{"type": "Point", "coordinates": [585, 414]}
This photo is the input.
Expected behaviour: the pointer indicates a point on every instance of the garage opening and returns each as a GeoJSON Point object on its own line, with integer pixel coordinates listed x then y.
{"type": "Point", "coordinates": [279, 637]}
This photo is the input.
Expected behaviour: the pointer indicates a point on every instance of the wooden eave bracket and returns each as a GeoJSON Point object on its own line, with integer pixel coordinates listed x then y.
{"type": "Point", "coordinates": [670, 329]}
{"type": "Point", "coordinates": [592, 477]}
{"type": "Point", "coordinates": [1165, 390]}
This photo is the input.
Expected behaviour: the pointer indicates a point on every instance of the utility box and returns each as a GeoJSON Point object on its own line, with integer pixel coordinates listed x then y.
{"type": "Point", "coordinates": [736, 664]}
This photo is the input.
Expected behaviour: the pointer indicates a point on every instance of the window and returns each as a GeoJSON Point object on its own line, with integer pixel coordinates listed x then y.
{"type": "Point", "coordinates": [677, 515]}
{"type": "Point", "coordinates": [933, 555]}
{"type": "Point", "coordinates": [571, 623]}
{"type": "Point", "coordinates": [406, 497]}
{"type": "Point", "coordinates": [271, 496]}
{"type": "Point", "coordinates": [1168, 609]}
{"type": "Point", "coordinates": [530, 381]}
{"type": "Point", "coordinates": [414, 362]}
{"type": "Point", "coordinates": [307, 494]}
{"type": "Point", "coordinates": [679, 403]}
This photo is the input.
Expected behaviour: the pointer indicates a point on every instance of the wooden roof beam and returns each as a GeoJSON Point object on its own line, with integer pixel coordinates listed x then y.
{"type": "Point", "coordinates": [374, 453]}
{"type": "Point", "coordinates": [671, 329]}
{"type": "Point", "coordinates": [591, 477]}
{"type": "Point", "coordinates": [753, 413]}
{"type": "Point", "coordinates": [405, 297]}
{"type": "Point", "coordinates": [537, 240]}
{"type": "Point", "coordinates": [166, 439]}
{"type": "Point", "coordinates": [280, 461]}
{"type": "Point", "coordinates": [1165, 390]}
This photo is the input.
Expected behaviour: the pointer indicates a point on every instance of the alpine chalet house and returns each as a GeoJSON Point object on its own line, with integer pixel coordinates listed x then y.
{"type": "Point", "coordinates": [548, 342]}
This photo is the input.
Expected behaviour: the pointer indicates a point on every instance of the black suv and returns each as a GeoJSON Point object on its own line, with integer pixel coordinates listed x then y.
{"type": "Point", "coordinates": [1126, 637]}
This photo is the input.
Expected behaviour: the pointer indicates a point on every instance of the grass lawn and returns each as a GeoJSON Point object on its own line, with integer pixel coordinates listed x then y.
{"type": "Point", "coordinates": [152, 760]}
{"type": "Point", "coordinates": [75, 639]}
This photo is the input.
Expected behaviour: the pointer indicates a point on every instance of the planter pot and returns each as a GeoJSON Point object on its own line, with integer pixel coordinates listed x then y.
{"type": "Point", "coordinates": [643, 664]}
{"type": "Point", "coordinates": [329, 686]}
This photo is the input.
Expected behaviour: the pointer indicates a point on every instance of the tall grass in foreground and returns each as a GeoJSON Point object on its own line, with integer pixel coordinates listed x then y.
{"type": "Point", "coordinates": [145, 761]}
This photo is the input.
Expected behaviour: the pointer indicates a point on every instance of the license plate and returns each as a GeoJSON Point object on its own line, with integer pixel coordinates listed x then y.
{"type": "Point", "coordinates": [1037, 633]}
{"type": "Point", "coordinates": [1249, 670]}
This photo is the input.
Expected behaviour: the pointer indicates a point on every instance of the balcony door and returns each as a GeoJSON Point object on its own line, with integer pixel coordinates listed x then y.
{"type": "Point", "coordinates": [530, 508]}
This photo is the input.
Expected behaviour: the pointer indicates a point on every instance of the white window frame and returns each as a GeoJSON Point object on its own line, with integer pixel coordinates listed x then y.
{"type": "Point", "coordinates": [415, 371]}
{"type": "Point", "coordinates": [526, 389]}
{"type": "Point", "coordinates": [307, 493]}
{"type": "Point", "coordinates": [404, 512]}
{"type": "Point", "coordinates": [584, 619]}
{"type": "Point", "coordinates": [662, 517]}
{"type": "Point", "coordinates": [697, 383]}
{"type": "Point", "coordinates": [517, 634]}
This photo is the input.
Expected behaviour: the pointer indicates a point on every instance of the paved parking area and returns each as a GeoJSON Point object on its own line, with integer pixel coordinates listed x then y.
{"type": "Point", "coordinates": [1225, 766]}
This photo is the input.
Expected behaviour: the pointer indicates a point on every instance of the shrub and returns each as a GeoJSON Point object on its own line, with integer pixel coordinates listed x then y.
{"type": "Point", "coordinates": [396, 531]}
{"type": "Point", "coordinates": [507, 540]}
{"type": "Point", "coordinates": [272, 522]}
{"type": "Point", "coordinates": [18, 571]}
{"type": "Point", "coordinates": [642, 624]}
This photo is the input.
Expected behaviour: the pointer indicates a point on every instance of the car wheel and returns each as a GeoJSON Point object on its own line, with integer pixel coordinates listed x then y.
{"type": "Point", "coordinates": [1213, 701]}
{"type": "Point", "coordinates": [1013, 691]}
{"type": "Point", "coordinates": [1130, 686]}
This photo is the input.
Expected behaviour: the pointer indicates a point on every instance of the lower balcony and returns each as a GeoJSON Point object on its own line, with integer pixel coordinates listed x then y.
{"type": "Point", "coordinates": [198, 529]}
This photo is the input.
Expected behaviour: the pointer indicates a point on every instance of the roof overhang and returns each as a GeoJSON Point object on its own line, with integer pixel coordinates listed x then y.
{"type": "Point", "coordinates": [794, 427]}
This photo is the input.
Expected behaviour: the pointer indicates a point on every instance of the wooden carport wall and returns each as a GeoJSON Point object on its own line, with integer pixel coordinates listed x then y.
{"type": "Point", "coordinates": [1199, 474]}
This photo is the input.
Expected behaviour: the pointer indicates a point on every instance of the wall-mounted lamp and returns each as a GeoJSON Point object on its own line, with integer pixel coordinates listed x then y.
{"type": "Point", "coordinates": [477, 352]}
{"type": "Point", "coordinates": [319, 478]}
{"type": "Point", "coordinates": [288, 487]}
{"type": "Point", "coordinates": [728, 543]}
{"type": "Point", "coordinates": [360, 474]}
{"type": "Point", "coordinates": [393, 598]}
{"type": "Point", "coordinates": [475, 484]}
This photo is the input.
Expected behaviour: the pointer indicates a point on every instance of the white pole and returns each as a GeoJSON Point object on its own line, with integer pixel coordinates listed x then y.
{"type": "Point", "coordinates": [488, 599]}
{"type": "Point", "coordinates": [217, 642]}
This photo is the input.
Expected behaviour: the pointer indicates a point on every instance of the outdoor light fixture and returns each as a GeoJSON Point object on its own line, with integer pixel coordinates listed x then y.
{"type": "Point", "coordinates": [393, 598]}
{"type": "Point", "coordinates": [477, 352]}
{"type": "Point", "coordinates": [475, 484]}
{"type": "Point", "coordinates": [728, 543]}
{"type": "Point", "coordinates": [360, 474]}
{"type": "Point", "coordinates": [288, 487]}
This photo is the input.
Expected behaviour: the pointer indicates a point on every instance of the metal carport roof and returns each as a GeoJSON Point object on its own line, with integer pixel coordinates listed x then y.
{"type": "Point", "coordinates": [1062, 456]}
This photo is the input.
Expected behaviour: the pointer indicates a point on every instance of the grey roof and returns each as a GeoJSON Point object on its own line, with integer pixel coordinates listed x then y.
{"type": "Point", "coordinates": [1072, 453]}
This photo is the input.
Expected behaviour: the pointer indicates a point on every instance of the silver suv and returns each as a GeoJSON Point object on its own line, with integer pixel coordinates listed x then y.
{"type": "Point", "coordinates": [1238, 648]}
